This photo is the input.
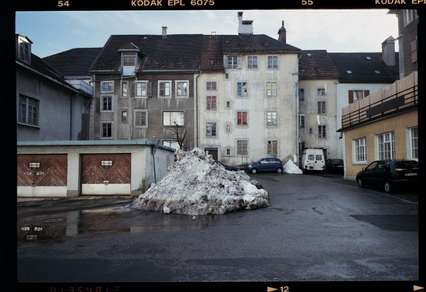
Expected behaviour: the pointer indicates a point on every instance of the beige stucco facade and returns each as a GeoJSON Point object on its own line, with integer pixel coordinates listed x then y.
{"type": "Point", "coordinates": [309, 109]}
{"type": "Point", "coordinates": [398, 124]}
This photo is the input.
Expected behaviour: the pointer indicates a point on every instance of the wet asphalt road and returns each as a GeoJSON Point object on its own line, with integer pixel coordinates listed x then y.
{"type": "Point", "coordinates": [317, 228]}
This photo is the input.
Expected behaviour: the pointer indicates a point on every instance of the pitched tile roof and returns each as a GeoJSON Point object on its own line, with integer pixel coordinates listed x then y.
{"type": "Point", "coordinates": [364, 68]}
{"type": "Point", "coordinates": [186, 51]}
{"type": "Point", "coordinates": [316, 64]}
{"type": "Point", "coordinates": [74, 62]}
{"type": "Point", "coordinates": [39, 65]}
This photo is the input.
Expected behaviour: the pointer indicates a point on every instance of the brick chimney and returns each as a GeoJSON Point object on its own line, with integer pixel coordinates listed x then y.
{"type": "Point", "coordinates": [388, 51]}
{"type": "Point", "coordinates": [282, 33]}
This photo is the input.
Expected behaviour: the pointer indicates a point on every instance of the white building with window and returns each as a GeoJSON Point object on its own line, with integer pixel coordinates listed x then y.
{"type": "Point", "coordinates": [247, 110]}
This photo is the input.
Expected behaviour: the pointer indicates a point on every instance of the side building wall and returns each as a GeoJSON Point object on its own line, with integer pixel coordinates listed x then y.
{"type": "Point", "coordinates": [308, 108]}
{"type": "Point", "coordinates": [398, 124]}
{"type": "Point", "coordinates": [257, 133]}
{"type": "Point", "coordinates": [343, 101]}
{"type": "Point", "coordinates": [56, 106]}
{"type": "Point", "coordinates": [152, 104]}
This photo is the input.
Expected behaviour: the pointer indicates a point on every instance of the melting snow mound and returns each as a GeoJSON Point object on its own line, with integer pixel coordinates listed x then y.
{"type": "Point", "coordinates": [197, 185]}
{"type": "Point", "coordinates": [292, 168]}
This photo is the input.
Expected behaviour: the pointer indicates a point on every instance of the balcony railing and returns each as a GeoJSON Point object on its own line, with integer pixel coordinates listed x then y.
{"type": "Point", "coordinates": [399, 101]}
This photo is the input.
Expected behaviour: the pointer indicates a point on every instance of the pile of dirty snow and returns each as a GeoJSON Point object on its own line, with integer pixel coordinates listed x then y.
{"type": "Point", "coordinates": [292, 168]}
{"type": "Point", "coordinates": [197, 185]}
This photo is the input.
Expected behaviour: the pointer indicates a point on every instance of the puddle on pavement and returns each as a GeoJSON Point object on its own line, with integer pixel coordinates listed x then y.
{"type": "Point", "coordinates": [60, 226]}
{"type": "Point", "coordinates": [391, 222]}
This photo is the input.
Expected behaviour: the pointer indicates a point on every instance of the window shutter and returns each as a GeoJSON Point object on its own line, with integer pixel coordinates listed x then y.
{"type": "Point", "coordinates": [98, 105]}
{"type": "Point", "coordinates": [238, 62]}
{"type": "Point", "coordinates": [351, 96]}
{"type": "Point", "coordinates": [149, 89]}
{"type": "Point", "coordinates": [366, 93]}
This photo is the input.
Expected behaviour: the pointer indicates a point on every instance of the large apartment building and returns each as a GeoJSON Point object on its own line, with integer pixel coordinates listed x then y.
{"type": "Point", "coordinates": [232, 95]}
{"type": "Point", "coordinates": [144, 87]}
{"type": "Point", "coordinates": [248, 110]}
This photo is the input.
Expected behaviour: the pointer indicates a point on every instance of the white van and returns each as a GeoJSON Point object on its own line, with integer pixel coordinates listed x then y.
{"type": "Point", "coordinates": [313, 159]}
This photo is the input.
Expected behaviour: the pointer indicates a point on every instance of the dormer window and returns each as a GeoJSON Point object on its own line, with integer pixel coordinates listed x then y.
{"type": "Point", "coordinates": [24, 48]}
{"type": "Point", "coordinates": [129, 59]}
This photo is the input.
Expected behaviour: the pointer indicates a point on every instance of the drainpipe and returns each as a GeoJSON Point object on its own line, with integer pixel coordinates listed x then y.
{"type": "Point", "coordinates": [71, 98]}
{"type": "Point", "coordinates": [196, 76]}
{"type": "Point", "coordinates": [153, 148]}
{"type": "Point", "coordinates": [296, 86]}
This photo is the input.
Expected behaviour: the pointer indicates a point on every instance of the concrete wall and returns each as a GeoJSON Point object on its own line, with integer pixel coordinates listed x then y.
{"type": "Point", "coordinates": [343, 101]}
{"type": "Point", "coordinates": [54, 109]}
{"type": "Point", "coordinates": [141, 165]}
{"type": "Point", "coordinates": [154, 105]}
{"type": "Point", "coordinates": [256, 104]}
{"type": "Point", "coordinates": [399, 124]}
{"type": "Point", "coordinates": [309, 108]}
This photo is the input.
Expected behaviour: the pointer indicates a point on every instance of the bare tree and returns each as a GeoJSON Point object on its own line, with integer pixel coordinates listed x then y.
{"type": "Point", "coordinates": [179, 132]}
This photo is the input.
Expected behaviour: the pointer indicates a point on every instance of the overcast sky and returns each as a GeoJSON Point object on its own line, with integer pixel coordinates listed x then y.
{"type": "Point", "coordinates": [333, 30]}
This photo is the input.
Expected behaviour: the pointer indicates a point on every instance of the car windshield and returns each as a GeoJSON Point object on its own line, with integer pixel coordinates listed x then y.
{"type": "Point", "coordinates": [406, 164]}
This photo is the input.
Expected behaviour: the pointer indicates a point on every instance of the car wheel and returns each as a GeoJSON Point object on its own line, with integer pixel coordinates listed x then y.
{"type": "Point", "coordinates": [387, 187]}
{"type": "Point", "coordinates": [280, 170]}
{"type": "Point", "coordinates": [253, 170]}
{"type": "Point", "coordinates": [360, 183]}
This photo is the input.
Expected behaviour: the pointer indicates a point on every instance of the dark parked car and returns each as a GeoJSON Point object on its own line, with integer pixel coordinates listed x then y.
{"type": "Point", "coordinates": [334, 166]}
{"type": "Point", "coordinates": [228, 167]}
{"type": "Point", "coordinates": [266, 165]}
{"type": "Point", "coordinates": [389, 174]}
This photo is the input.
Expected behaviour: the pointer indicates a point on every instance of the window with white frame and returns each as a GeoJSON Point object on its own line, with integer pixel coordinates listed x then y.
{"type": "Point", "coordinates": [272, 147]}
{"type": "Point", "coordinates": [129, 59]}
{"type": "Point", "coordinates": [124, 117]}
{"type": "Point", "coordinates": [386, 146]}
{"type": "Point", "coordinates": [242, 147]}
{"type": "Point", "coordinates": [272, 62]}
{"type": "Point", "coordinates": [242, 118]}
{"type": "Point", "coordinates": [164, 88]}
{"type": "Point", "coordinates": [321, 107]}
{"type": "Point", "coordinates": [359, 151]}
{"type": "Point", "coordinates": [28, 110]}
{"type": "Point", "coordinates": [124, 88]}
{"type": "Point", "coordinates": [271, 119]}
{"type": "Point", "coordinates": [106, 129]}
{"type": "Point", "coordinates": [171, 143]}
{"type": "Point", "coordinates": [211, 103]}
{"type": "Point", "coordinates": [271, 89]}
{"type": "Point", "coordinates": [252, 62]}
{"type": "Point", "coordinates": [211, 129]}
{"type": "Point", "coordinates": [141, 88]}
{"type": "Point", "coordinates": [232, 62]}
{"type": "Point", "coordinates": [408, 16]}
{"type": "Point", "coordinates": [141, 118]}
{"type": "Point", "coordinates": [301, 121]}
{"type": "Point", "coordinates": [321, 91]}
{"type": "Point", "coordinates": [211, 85]}
{"type": "Point", "coordinates": [322, 134]}
{"type": "Point", "coordinates": [107, 86]}
{"type": "Point", "coordinates": [242, 90]}
{"type": "Point", "coordinates": [182, 88]}
{"type": "Point", "coordinates": [173, 118]}
{"type": "Point", "coordinates": [106, 103]}
{"type": "Point", "coordinates": [413, 143]}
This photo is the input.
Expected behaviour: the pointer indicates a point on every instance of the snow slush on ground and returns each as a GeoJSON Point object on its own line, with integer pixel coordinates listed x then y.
{"type": "Point", "coordinates": [197, 185]}
{"type": "Point", "coordinates": [291, 168]}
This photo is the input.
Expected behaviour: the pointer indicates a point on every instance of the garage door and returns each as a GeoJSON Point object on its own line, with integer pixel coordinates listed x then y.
{"type": "Point", "coordinates": [42, 175]}
{"type": "Point", "coordinates": [105, 174]}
